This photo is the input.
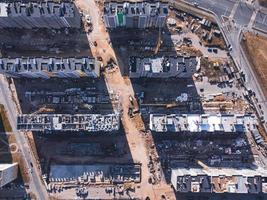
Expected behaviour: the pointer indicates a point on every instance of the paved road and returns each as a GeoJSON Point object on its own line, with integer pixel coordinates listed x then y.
{"type": "Point", "coordinates": [243, 13]}
{"type": "Point", "coordinates": [36, 185]}
{"type": "Point", "coordinates": [220, 7]}
{"type": "Point", "coordinates": [242, 16]}
{"type": "Point", "coordinates": [261, 20]}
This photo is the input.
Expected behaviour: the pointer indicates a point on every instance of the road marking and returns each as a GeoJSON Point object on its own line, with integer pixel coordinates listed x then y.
{"type": "Point", "coordinates": [225, 12]}
{"type": "Point", "coordinates": [252, 19]}
{"type": "Point", "coordinates": [234, 10]}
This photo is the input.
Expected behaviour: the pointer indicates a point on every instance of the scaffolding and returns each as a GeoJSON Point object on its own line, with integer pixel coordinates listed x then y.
{"type": "Point", "coordinates": [67, 122]}
{"type": "Point", "coordinates": [50, 67]}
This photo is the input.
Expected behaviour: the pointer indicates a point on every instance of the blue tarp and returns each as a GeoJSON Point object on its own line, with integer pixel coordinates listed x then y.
{"type": "Point", "coordinates": [239, 128]}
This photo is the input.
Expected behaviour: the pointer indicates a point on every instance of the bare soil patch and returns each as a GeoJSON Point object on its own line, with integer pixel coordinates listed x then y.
{"type": "Point", "coordinates": [256, 50]}
{"type": "Point", "coordinates": [4, 120]}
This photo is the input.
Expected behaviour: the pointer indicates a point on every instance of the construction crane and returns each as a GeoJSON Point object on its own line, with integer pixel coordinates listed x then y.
{"type": "Point", "coordinates": [171, 105]}
{"type": "Point", "coordinates": [203, 165]}
{"type": "Point", "coordinates": [43, 109]}
{"type": "Point", "coordinates": [159, 43]}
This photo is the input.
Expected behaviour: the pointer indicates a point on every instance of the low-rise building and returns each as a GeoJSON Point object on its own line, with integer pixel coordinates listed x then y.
{"type": "Point", "coordinates": [47, 14]}
{"type": "Point", "coordinates": [219, 180]}
{"type": "Point", "coordinates": [205, 123]}
{"type": "Point", "coordinates": [50, 67]}
{"type": "Point", "coordinates": [135, 14]}
{"type": "Point", "coordinates": [8, 173]}
{"type": "Point", "coordinates": [69, 123]}
{"type": "Point", "coordinates": [163, 67]}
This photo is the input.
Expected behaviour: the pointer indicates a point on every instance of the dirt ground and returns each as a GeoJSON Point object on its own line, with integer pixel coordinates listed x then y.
{"type": "Point", "coordinates": [37, 102]}
{"type": "Point", "coordinates": [216, 42]}
{"type": "Point", "coordinates": [256, 48]}
{"type": "Point", "coordinates": [4, 120]}
{"type": "Point", "coordinates": [115, 82]}
{"type": "Point", "coordinates": [32, 144]}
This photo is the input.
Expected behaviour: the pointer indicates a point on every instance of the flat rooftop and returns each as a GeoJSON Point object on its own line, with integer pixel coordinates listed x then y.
{"type": "Point", "coordinates": [163, 67]}
{"type": "Point", "coordinates": [215, 171]}
{"type": "Point", "coordinates": [67, 122]}
{"type": "Point", "coordinates": [6, 166]}
{"type": "Point", "coordinates": [135, 8]}
{"type": "Point", "coordinates": [202, 123]}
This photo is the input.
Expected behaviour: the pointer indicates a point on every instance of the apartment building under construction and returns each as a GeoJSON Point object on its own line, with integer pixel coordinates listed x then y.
{"type": "Point", "coordinates": [50, 67]}
{"type": "Point", "coordinates": [69, 123]}
{"type": "Point", "coordinates": [163, 67]}
{"type": "Point", "coordinates": [135, 14]}
{"type": "Point", "coordinates": [219, 180]}
{"type": "Point", "coordinates": [39, 15]}
{"type": "Point", "coordinates": [206, 123]}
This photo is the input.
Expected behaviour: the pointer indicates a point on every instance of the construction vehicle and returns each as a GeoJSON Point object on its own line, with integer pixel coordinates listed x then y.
{"type": "Point", "coordinates": [44, 109]}
{"type": "Point", "coordinates": [128, 185]}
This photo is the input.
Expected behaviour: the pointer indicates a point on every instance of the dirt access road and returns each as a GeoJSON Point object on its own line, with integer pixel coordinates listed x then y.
{"type": "Point", "coordinates": [117, 83]}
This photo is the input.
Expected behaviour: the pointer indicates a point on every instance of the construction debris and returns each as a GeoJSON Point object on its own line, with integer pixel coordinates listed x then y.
{"type": "Point", "coordinates": [64, 122]}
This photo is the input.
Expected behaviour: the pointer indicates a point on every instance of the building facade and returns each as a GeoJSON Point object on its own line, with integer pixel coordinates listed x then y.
{"type": "Point", "coordinates": [135, 14]}
{"type": "Point", "coordinates": [8, 173]}
{"type": "Point", "coordinates": [50, 67]}
{"type": "Point", "coordinates": [39, 15]}
{"type": "Point", "coordinates": [163, 67]}
{"type": "Point", "coordinates": [205, 123]}
{"type": "Point", "coordinates": [219, 180]}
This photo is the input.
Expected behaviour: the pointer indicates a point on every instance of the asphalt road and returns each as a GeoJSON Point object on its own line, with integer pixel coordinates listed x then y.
{"type": "Point", "coordinates": [36, 186]}
{"type": "Point", "coordinates": [220, 7]}
{"type": "Point", "coordinates": [242, 14]}
{"type": "Point", "coordinates": [261, 21]}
